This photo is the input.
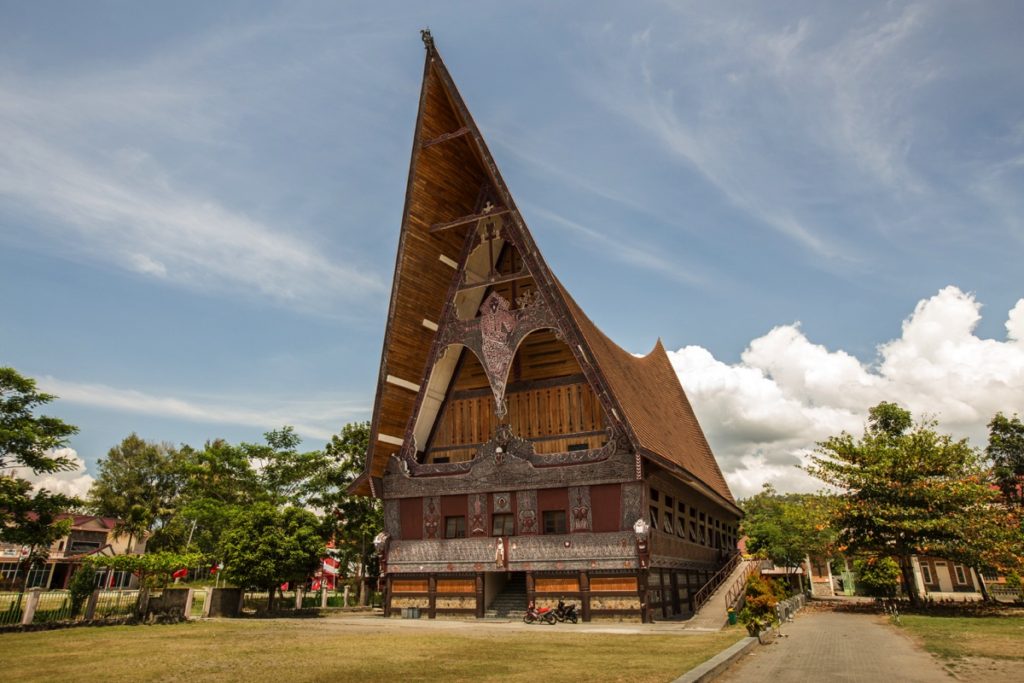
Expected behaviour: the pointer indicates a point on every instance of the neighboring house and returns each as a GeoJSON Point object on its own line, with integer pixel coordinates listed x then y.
{"type": "Point", "coordinates": [935, 578]}
{"type": "Point", "coordinates": [89, 535]}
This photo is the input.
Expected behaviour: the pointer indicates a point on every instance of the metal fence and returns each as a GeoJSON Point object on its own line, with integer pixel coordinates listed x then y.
{"type": "Point", "coordinates": [53, 606]}
{"type": "Point", "coordinates": [11, 606]}
{"type": "Point", "coordinates": [113, 604]}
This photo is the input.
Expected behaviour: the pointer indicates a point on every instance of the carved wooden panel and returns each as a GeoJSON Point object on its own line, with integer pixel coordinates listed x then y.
{"type": "Point", "coordinates": [502, 502]}
{"type": "Point", "coordinates": [431, 517]}
{"type": "Point", "coordinates": [632, 503]}
{"type": "Point", "coordinates": [392, 520]}
{"type": "Point", "coordinates": [478, 514]}
{"type": "Point", "coordinates": [526, 501]}
{"type": "Point", "coordinates": [579, 508]}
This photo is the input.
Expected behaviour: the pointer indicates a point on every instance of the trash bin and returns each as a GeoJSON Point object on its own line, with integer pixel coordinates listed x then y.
{"type": "Point", "coordinates": [732, 617]}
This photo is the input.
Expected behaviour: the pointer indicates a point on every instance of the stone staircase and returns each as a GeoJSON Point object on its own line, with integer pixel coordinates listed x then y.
{"type": "Point", "coordinates": [713, 614]}
{"type": "Point", "coordinates": [510, 603]}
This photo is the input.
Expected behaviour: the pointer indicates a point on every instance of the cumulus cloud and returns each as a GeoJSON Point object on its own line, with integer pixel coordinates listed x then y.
{"type": "Point", "coordinates": [75, 482]}
{"type": "Point", "coordinates": [764, 414]}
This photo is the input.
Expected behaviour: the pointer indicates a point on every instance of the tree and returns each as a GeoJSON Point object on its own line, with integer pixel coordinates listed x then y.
{"type": "Point", "coordinates": [356, 519]}
{"type": "Point", "coordinates": [153, 569]}
{"type": "Point", "coordinates": [786, 528]}
{"type": "Point", "coordinates": [27, 518]}
{"type": "Point", "coordinates": [138, 483]}
{"type": "Point", "coordinates": [265, 547]}
{"type": "Point", "coordinates": [907, 489]}
{"type": "Point", "coordinates": [879, 576]}
{"type": "Point", "coordinates": [1006, 452]}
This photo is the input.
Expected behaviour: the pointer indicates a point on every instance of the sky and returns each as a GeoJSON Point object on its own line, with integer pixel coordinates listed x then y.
{"type": "Point", "coordinates": [816, 206]}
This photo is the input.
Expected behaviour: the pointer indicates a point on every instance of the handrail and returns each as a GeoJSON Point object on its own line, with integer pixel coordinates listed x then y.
{"type": "Point", "coordinates": [708, 589]}
{"type": "Point", "coordinates": [739, 585]}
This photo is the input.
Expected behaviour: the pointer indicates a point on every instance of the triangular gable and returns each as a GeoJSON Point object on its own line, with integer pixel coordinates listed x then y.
{"type": "Point", "coordinates": [455, 192]}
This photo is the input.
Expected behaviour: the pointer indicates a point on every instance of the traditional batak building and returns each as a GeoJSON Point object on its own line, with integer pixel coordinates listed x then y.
{"type": "Point", "coordinates": [521, 455]}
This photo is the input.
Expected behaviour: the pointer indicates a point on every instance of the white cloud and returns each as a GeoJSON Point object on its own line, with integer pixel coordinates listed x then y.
{"type": "Point", "coordinates": [319, 418]}
{"type": "Point", "coordinates": [75, 482]}
{"type": "Point", "coordinates": [764, 414]}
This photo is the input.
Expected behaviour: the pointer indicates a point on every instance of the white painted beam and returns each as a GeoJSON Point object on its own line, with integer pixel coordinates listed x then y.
{"type": "Point", "coordinates": [448, 262]}
{"type": "Point", "coordinates": [387, 438]}
{"type": "Point", "coordinates": [404, 383]}
{"type": "Point", "coordinates": [430, 325]}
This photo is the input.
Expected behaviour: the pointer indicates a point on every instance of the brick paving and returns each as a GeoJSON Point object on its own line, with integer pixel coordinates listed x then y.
{"type": "Point", "coordinates": [830, 646]}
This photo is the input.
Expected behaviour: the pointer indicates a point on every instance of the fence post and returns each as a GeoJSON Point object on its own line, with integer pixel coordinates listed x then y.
{"type": "Point", "coordinates": [143, 603]}
{"type": "Point", "coordinates": [30, 606]}
{"type": "Point", "coordinates": [188, 604]}
{"type": "Point", "coordinates": [344, 600]}
{"type": "Point", "coordinates": [90, 605]}
{"type": "Point", "coordinates": [298, 598]}
{"type": "Point", "coordinates": [207, 602]}
{"type": "Point", "coordinates": [323, 595]}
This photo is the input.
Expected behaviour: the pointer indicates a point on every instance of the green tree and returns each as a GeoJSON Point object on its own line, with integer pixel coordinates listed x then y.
{"type": "Point", "coordinates": [878, 576]}
{"type": "Point", "coordinates": [907, 489]}
{"type": "Point", "coordinates": [265, 547]}
{"type": "Point", "coordinates": [786, 528]}
{"type": "Point", "coordinates": [153, 569]}
{"type": "Point", "coordinates": [138, 483]}
{"type": "Point", "coordinates": [27, 441]}
{"type": "Point", "coordinates": [1005, 450]}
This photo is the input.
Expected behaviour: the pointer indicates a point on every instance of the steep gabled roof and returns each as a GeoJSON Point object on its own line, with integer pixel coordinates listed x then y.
{"type": "Point", "coordinates": [451, 170]}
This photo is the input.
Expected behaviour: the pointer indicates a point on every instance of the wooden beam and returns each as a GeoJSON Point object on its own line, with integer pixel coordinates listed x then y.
{"type": "Point", "coordinates": [496, 280]}
{"type": "Point", "coordinates": [446, 137]}
{"type": "Point", "coordinates": [448, 262]}
{"type": "Point", "coordinates": [404, 383]}
{"type": "Point", "coordinates": [387, 438]}
{"type": "Point", "coordinates": [430, 325]}
{"type": "Point", "coordinates": [438, 227]}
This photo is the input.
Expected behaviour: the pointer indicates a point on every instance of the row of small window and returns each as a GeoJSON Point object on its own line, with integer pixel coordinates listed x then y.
{"type": "Point", "coordinates": [703, 529]}
{"type": "Point", "coordinates": [503, 524]}
{"type": "Point", "coordinates": [958, 570]}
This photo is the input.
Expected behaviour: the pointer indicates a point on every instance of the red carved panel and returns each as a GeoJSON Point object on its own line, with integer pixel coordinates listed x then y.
{"type": "Point", "coordinates": [552, 499]}
{"type": "Point", "coordinates": [453, 506]}
{"type": "Point", "coordinates": [410, 513]}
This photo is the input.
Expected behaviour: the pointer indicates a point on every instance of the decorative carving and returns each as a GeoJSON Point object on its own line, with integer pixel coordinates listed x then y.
{"type": "Point", "coordinates": [431, 517]}
{"type": "Point", "coordinates": [502, 502]}
{"type": "Point", "coordinates": [519, 468]}
{"type": "Point", "coordinates": [579, 502]}
{"type": "Point", "coordinates": [632, 494]}
{"type": "Point", "coordinates": [478, 515]}
{"type": "Point", "coordinates": [526, 501]}
{"type": "Point", "coordinates": [392, 525]}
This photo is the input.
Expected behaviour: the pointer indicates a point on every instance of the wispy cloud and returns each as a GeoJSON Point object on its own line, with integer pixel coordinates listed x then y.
{"type": "Point", "coordinates": [319, 419]}
{"type": "Point", "coordinates": [624, 250]}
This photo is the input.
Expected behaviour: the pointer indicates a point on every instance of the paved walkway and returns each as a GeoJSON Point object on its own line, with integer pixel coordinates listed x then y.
{"type": "Point", "coordinates": [830, 646]}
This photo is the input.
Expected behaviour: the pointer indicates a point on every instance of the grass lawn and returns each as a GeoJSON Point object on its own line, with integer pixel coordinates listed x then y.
{"type": "Point", "coordinates": [322, 650]}
{"type": "Point", "coordinates": [956, 637]}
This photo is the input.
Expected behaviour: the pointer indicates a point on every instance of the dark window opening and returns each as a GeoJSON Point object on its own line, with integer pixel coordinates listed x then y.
{"type": "Point", "coordinates": [654, 495]}
{"type": "Point", "coordinates": [502, 525]}
{"type": "Point", "coordinates": [455, 527]}
{"type": "Point", "coordinates": [668, 523]}
{"type": "Point", "coordinates": [441, 460]}
{"type": "Point", "coordinates": [654, 517]}
{"type": "Point", "coordinates": [669, 502]}
{"type": "Point", "coordinates": [577, 447]}
{"type": "Point", "coordinates": [554, 522]}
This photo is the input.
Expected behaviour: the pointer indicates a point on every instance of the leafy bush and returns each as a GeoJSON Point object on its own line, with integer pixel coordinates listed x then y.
{"type": "Point", "coordinates": [81, 586]}
{"type": "Point", "coordinates": [761, 597]}
{"type": "Point", "coordinates": [878, 576]}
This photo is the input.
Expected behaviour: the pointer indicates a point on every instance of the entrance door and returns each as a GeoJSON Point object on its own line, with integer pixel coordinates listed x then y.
{"type": "Point", "coordinates": [945, 581]}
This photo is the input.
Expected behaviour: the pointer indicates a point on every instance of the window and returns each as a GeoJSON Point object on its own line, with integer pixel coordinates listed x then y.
{"type": "Point", "coordinates": [83, 546]}
{"type": "Point", "coordinates": [669, 502]}
{"type": "Point", "coordinates": [654, 495]}
{"type": "Point", "coordinates": [961, 576]}
{"type": "Point", "coordinates": [681, 527]}
{"type": "Point", "coordinates": [440, 460]}
{"type": "Point", "coordinates": [926, 573]}
{"type": "Point", "coordinates": [577, 447]}
{"type": "Point", "coordinates": [502, 525]}
{"type": "Point", "coordinates": [554, 521]}
{"type": "Point", "coordinates": [668, 523]}
{"type": "Point", "coordinates": [682, 508]}
{"type": "Point", "coordinates": [455, 527]}
{"type": "Point", "coordinates": [653, 517]}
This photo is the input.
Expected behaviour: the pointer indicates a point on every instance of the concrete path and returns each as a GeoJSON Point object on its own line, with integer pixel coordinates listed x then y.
{"type": "Point", "coordinates": [830, 646]}
{"type": "Point", "coordinates": [713, 615]}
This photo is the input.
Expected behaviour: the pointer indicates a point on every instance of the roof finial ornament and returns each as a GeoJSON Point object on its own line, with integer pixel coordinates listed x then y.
{"type": "Point", "coordinates": [428, 40]}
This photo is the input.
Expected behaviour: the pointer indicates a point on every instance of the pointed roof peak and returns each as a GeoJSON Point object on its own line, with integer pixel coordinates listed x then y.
{"type": "Point", "coordinates": [428, 39]}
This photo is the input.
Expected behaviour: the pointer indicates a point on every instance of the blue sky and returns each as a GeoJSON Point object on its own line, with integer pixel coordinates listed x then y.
{"type": "Point", "coordinates": [200, 203]}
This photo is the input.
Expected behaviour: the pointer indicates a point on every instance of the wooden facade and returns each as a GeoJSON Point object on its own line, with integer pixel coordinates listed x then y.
{"type": "Point", "coordinates": [520, 454]}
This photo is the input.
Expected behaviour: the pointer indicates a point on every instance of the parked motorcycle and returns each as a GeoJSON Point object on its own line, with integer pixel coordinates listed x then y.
{"type": "Point", "coordinates": [565, 612]}
{"type": "Point", "coordinates": [533, 615]}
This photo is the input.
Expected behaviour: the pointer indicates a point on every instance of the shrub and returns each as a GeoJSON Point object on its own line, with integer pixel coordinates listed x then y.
{"type": "Point", "coordinates": [878, 576]}
{"type": "Point", "coordinates": [761, 597]}
{"type": "Point", "coordinates": [81, 586]}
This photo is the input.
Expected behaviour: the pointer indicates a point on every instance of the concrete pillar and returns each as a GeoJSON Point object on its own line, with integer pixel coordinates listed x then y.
{"type": "Point", "coordinates": [188, 604]}
{"type": "Point", "coordinates": [828, 566]}
{"type": "Point", "coordinates": [31, 602]}
{"type": "Point", "coordinates": [207, 603]}
{"type": "Point", "coordinates": [298, 598]}
{"type": "Point", "coordinates": [585, 592]}
{"type": "Point", "coordinates": [915, 566]}
{"type": "Point", "coordinates": [344, 599]}
{"type": "Point", "coordinates": [323, 595]}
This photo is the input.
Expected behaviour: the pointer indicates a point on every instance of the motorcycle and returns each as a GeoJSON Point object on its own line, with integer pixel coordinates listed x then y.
{"type": "Point", "coordinates": [565, 612]}
{"type": "Point", "coordinates": [533, 615]}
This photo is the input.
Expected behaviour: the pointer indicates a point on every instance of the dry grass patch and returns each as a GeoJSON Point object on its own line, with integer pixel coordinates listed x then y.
{"type": "Point", "coordinates": [955, 637]}
{"type": "Point", "coordinates": [319, 650]}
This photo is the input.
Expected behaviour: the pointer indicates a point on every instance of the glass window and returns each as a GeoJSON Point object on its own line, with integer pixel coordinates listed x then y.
{"type": "Point", "coordinates": [668, 523]}
{"type": "Point", "coordinates": [554, 522]}
{"type": "Point", "coordinates": [577, 447]}
{"type": "Point", "coordinates": [654, 495]}
{"type": "Point", "coordinates": [682, 508]}
{"type": "Point", "coordinates": [454, 527]}
{"type": "Point", "coordinates": [961, 575]}
{"type": "Point", "coordinates": [926, 573]}
{"type": "Point", "coordinates": [653, 517]}
{"type": "Point", "coordinates": [669, 502]}
{"type": "Point", "coordinates": [502, 525]}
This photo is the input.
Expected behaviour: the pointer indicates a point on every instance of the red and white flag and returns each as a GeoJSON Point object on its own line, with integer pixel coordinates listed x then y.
{"type": "Point", "coordinates": [180, 574]}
